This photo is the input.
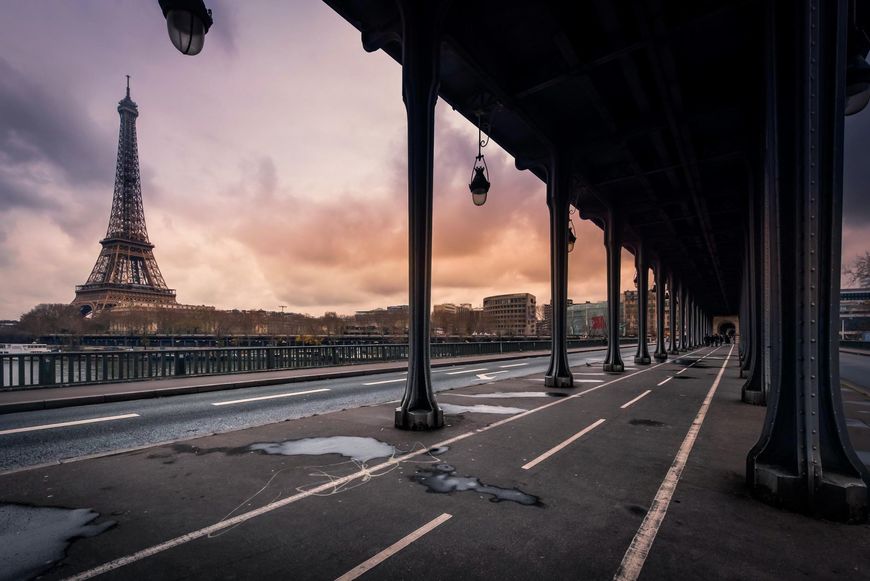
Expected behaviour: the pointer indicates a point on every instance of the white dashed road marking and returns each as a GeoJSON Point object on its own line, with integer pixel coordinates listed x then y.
{"type": "Point", "coordinates": [65, 424]}
{"type": "Point", "coordinates": [628, 403]}
{"type": "Point", "coordinates": [567, 442]}
{"type": "Point", "coordinates": [385, 381]}
{"type": "Point", "coordinates": [467, 371]}
{"type": "Point", "coordinates": [265, 397]}
{"type": "Point", "coordinates": [393, 549]}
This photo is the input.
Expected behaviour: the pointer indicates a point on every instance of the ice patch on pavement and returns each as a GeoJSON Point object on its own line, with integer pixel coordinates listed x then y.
{"type": "Point", "coordinates": [33, 539]}
{"type": "Point", "coordinates": [353, 447]}
{"type": "Point", "coordinates": [442, 479]}
{"type": "Point", "coordinates": [449, 408]}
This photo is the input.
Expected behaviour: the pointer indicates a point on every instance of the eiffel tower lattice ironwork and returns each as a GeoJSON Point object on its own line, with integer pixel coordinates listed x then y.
{"type": "Point", "coordinates": [126, 272]}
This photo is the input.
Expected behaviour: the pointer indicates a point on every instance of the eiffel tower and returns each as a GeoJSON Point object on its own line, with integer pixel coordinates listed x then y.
{"type": "Point", "coordinates": [126, 273]}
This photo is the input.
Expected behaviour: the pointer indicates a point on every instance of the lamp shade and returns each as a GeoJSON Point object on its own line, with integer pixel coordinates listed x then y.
{"type": "Point", "coordinates": [479, 186]}
{"type": "Point", "coordinates": [187, 22]}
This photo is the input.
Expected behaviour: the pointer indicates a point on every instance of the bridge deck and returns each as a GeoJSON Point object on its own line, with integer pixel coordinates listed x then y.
{"type": "Point", "coordinates": [38, 398]}
{"type": "Point", "coordinates": [594, 493]}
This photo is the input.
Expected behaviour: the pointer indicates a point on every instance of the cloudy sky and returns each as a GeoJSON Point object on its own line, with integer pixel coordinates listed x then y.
{"type": "Point", "coordinates": [273, 165]}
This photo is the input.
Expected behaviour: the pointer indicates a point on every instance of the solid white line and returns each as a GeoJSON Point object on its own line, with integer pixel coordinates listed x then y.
{"type": "Point", "coordinates": [665, 381]}
{"type": "Point", "coordinates": [555, 449]}
{"type": "Point", "coordinates": [393, 549]}
{"type": "Point", "coordinates": [588, 380]}
{"type": "Point", "coordinates": [682, 370]}
{"type": "Point", "coordinates": [326, 486]}
{"type": "Point", "coordinates": [468, 371]}
{"type": "Point", "coordinates": [513, 365]}
{"type": "Point", "coordinates": [386, 381]}
{"type": "Point", "coordinates": [635, 556]}
{"type": "Point", "coordinates": [628, 403]}
{"type": "Point", "coordinates": [65, 424]}
{"type": "Point", "coordinates": [264, 397]}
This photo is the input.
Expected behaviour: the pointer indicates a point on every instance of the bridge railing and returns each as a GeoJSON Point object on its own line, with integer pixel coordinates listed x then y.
{"type": "Point", "coordinates": [21, 371]}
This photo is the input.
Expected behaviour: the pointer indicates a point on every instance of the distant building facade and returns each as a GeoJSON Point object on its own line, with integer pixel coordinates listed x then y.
{"type": "Point", "coordinates": [855, 314]}
{"type": "Point", "coordinates": [545, 327]}
{"type": "Point", "coordinates": [513, 314]}
{"type": "Point", "coordinates": [588, 319]}
{"type": "Point", "coordinates": [629, 314]}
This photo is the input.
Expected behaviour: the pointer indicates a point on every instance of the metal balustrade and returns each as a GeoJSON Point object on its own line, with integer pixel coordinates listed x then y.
{"type": "Point", "coordinates": [87, 367]}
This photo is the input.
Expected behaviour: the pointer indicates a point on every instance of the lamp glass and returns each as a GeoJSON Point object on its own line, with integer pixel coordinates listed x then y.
{"type": "Point", "coordinates": [478, 197]}
{"type": "Point", "coordinates": [186, 31]}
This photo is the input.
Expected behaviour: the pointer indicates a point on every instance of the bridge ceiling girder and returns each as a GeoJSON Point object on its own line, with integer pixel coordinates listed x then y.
{"type": "Point", "coordinates": [660, 104]}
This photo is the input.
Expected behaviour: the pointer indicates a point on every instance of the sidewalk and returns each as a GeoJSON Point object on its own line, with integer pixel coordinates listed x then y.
{"type": "Point", "coordinates": [864, 352]}
{"type": "Point", "coordinates": [74, 395]}
{"type": "Point", "coordinates": [516, 496]}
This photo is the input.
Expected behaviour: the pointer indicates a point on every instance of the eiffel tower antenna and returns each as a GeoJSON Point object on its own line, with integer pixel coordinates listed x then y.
{"type": "Point", "coordinates": [126, 272]}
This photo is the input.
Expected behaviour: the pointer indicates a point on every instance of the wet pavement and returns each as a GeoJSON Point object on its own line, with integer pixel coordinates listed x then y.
{"type": "Point", "coordinates": [555, 491]}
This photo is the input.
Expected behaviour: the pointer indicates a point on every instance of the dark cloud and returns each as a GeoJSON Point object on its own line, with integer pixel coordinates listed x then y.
{"type": "Point", "coordinates": [41, 125]}
{"type": "Point", "coordinates": [856, 183]}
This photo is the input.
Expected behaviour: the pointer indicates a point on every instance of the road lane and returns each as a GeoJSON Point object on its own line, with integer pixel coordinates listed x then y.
{"type": "Point", "coordinates": [188, 416]}
{"type": "Point", "coordinates": [855, 369]}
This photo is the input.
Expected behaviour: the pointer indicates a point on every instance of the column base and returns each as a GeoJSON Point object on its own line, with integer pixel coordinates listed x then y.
{"type": "Point", "coordinates": [673, 352]}
{"type": "Point", "coordinates": [614, 367]}
{"type": "Point", "coordinates": [558, 381]}
{"type": "Point", "coordinates": [419, 420]}
{"type": "Point", "coordinates": [643, 360]}
{"type": "Point", "coordinates": [661, 357]}
{"type": "Point", "coordinates": [752, 396]}
{"type": "Point", "coordinates": [837, 498]}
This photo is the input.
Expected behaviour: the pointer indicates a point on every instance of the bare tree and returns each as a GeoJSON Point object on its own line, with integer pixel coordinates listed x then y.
{"type": "Point", "coordinates": [859, 270]}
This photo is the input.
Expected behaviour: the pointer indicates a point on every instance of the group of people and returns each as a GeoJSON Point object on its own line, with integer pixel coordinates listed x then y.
{"type": "Point", "coordinates": [715, 340]}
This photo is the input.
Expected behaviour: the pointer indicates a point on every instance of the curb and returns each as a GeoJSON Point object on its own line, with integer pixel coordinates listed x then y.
{"type": "Point", "coordinates": [71, 401]}
{"type": "Point", "coordinates": [861, 352]}
{"type": "Point", "coordinates": [848, 384]}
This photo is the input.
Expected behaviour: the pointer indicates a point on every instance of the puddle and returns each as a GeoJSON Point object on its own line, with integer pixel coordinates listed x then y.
{"type": "Point", "coordinates": [442, 479]}
{"type": "Point", "coordinates": [651, 423]}
{"type": "Point", "coordinates": [34, 539]}
{"type": "Point", "coordinates": [502, 394]}
{"type": "Point", "coordinates": [449, 408]}
{"type": "Point", "coordinates": [354, 447]}
{"type": "Point", "coordinates": [438, 450]}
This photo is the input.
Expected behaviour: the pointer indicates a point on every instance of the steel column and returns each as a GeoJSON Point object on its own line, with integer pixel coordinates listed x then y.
{"type": "Point", "coordinates": [684, 310]}
{"type": "Point", "coordinates": [672, 311]}
{"type": "Point", "coordinates": [558, 199]}
{"type": "Point", "coordinates": [613, 246]}
{"type": "Point", "coordinates": [661, 353]}
{"type": "Point", "coordinates": [421, 50]}
{"type": "Point", "coordinates": [804, 459]}
{"type": "Point", "coordinates": [753, 390]}
{"type": "Point", "coordinates": [641, 357]}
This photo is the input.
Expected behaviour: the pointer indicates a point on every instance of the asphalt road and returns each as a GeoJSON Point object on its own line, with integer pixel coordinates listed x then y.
{"type": "Point", "coordinates": [135, 424]}
{"type": "Point", "coordinates": [855, 369]}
